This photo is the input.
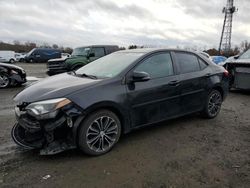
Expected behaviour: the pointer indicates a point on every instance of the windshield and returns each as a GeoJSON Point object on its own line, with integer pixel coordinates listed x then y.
{"type": "Point", "coordinates": [30, 52]}
{"type": "Point", "coordinates": [245, 55]}
{"type": "Point", "coordinates": [110, 65]}
{"type": "Point", "coordinates": [80, 52]}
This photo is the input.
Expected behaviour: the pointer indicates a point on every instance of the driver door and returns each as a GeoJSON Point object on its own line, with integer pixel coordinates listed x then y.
{"type": "Point", "coordinates": [158, 98]}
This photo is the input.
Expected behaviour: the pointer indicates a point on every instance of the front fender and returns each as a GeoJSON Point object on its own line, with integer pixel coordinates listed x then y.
{"type": "Point", "coordinates": [112, 106]}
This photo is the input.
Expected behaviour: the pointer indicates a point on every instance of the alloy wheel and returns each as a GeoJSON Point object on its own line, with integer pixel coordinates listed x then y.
{"type": "Point", "coordinates": [214, 104]}
{"type": "Point", "coordinates": [102, 134]}
{"type": "Point", "coordinates": [4, 80]}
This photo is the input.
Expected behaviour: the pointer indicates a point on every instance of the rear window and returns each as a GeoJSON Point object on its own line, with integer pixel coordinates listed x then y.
{"type": "Point", "coordinates": [187, 62]}
{"type": "Point", "coordinates": [203, 64]}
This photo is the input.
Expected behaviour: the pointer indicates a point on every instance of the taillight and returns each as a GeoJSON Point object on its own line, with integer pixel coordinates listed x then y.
{"type": "Point", "coordinates": [226, 73]}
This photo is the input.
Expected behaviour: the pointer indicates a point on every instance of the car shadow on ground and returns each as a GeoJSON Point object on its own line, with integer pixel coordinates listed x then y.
{"type": "Point", "coordinates": [244, 92]}
{"type": "Point", "coordinates": [172, 126]}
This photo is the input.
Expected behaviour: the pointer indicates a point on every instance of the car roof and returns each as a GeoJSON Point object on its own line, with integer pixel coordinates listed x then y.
{"type": "Point", "coordinates": [97, 46]}
{"type": "Point", "coordinates": [148, 50]}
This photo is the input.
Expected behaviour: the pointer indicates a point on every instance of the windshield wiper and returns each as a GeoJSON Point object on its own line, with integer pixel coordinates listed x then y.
{"type": "Point", "coordinates": [88, 76]}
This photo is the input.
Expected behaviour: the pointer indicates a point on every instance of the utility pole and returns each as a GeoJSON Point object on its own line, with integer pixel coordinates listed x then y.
{"type": "Point", "coordinates": [225, 40]}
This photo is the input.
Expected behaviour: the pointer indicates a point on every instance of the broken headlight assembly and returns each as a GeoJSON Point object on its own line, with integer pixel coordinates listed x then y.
{"type": "Point", "coordinates": [46, 109]}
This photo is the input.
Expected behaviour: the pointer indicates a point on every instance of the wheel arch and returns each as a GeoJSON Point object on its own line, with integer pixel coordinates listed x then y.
{"type": "Point", "coordinates": [78, 64]}
{"type": "Point", "coordinates": [220, 89]}
{"type": "Point", "coordinates": [107, 105]}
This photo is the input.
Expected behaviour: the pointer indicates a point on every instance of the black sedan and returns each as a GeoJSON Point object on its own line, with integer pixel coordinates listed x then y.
{"type": "Point", "coordinates": [91, 107]}
{"type": "Point", "coordinates": [11, 75]}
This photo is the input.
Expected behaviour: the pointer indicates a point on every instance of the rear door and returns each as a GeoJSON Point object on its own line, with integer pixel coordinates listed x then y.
{"type": "Point", "coordinates": [193, 82]}
{"type": "Point", "coordinates": [158, 98]}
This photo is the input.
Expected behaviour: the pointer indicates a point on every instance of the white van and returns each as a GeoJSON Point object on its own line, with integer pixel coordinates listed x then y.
{"type": "Point", "coordinates": [7, 56]}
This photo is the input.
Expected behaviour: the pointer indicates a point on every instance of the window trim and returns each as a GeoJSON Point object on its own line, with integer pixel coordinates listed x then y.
{"type": "Point", "coordinates": [151, 55]}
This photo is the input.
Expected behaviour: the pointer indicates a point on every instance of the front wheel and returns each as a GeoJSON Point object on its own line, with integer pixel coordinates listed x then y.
{"type": "Point", "coordinates": [99, 132]}
{"type": "Point", "coordinates": [4, 80]}
{"type": "Point", "coordinates": [213, 104]}
{"type": "Point", "coordinates": [12, 61]}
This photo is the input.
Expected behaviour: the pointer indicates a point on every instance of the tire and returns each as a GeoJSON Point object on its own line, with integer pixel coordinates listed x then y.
{"type": "Point", "coordinates": [213, 104]}
{"type": "Point", "coordinates": [99, 132]}
{"type": "Point", "coordinates": [31, 60]}
{"type": "Point", "coordinates": [12, 61]}
{"type": "Point", "coordinates": [4, 80]}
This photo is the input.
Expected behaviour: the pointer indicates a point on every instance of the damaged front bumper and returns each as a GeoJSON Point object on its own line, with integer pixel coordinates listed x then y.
{"type": "Point", "coordinates": [50, 136]}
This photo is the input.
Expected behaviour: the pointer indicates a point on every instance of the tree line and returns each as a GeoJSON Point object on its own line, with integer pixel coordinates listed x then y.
{"type": "Point", "coordinates": [242, 47]}
{"type": "Point", "coordinates": [19, 47]}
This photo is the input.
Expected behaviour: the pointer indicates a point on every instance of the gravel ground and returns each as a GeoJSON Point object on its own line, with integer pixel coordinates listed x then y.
{"type": "Point", "coordinates": [186, 152]}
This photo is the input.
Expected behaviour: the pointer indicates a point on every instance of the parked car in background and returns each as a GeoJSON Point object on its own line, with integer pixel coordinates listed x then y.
{"type": "Point", "coordinates": [41, 55]}
{"type": "Point", "coordinates": [52, 64]}
{"type": "Point", "coordinates": [239, 69]}
{"type": "Point", "coordinates": [7, 56]}
{"type": "Point", "coordinates": [65, 55]}
{"type": "Point", "coordinates": [80, 57]}
{"type": "Point", "coordinates": [91, 107]}
{"type": "Point", "coordinates": [11, 75]}
{"type": "Point", "coordinates": [218, 59]}
{"type": "Point", "coordinates": [20, 57]}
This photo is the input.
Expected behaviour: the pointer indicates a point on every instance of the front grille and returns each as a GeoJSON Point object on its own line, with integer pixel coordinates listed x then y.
{"type": "Point", "coordinates": [54, 64]}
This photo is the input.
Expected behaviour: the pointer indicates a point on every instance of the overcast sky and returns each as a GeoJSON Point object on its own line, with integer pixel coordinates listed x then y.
{"type": "Point", "coordinates": [123, 22]}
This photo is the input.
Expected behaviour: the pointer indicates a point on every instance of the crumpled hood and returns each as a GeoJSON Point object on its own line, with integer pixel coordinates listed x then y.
{"type": "Point", "coordinates": [54, 87]}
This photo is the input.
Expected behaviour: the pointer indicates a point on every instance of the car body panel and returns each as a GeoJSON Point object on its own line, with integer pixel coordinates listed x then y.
{"type": "Point", "coordinates": [62, 85]}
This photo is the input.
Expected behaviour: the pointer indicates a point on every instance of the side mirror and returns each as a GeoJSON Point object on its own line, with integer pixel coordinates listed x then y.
{"type": "Point", "coordinates": [140, 77]}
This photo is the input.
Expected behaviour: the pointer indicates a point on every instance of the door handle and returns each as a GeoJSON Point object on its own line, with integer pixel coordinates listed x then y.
{"type": "Point", "coordinates": [174, 83]}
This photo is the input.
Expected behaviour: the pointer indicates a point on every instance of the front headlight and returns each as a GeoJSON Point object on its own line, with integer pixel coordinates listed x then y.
{"type": "Point", "coordinates": [46, 109]}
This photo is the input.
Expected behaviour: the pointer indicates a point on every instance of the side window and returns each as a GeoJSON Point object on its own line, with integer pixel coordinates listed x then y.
{"type": "Point", "coordinates": [187, 62]}
{"type": "Point", "coordinates": [36, 52]}
{"type": "Point", "coordinates": [99, 52]}
{"type": "Point", "coordinates": [157, 66]}
{"type": "Point", "coordinates": [203, 64]}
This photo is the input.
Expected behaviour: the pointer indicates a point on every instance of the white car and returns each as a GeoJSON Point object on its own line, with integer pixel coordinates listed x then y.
{"type": "Point", "coordinates": [7, 56]}
{"type": "Point", "coordinates": [20, 57]}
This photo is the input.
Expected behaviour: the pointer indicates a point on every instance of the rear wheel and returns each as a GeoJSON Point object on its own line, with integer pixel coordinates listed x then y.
{"type": "Point", "coordinates": [213, 104]}
{"type": "Point", "coordinates": [31, 60]}
{"type": "Point", "coordinates": [99, 132]}
{"type": "Point", "coordinates": [4, 80]}
{"type": "Point", "coordinates": [12, 61]}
